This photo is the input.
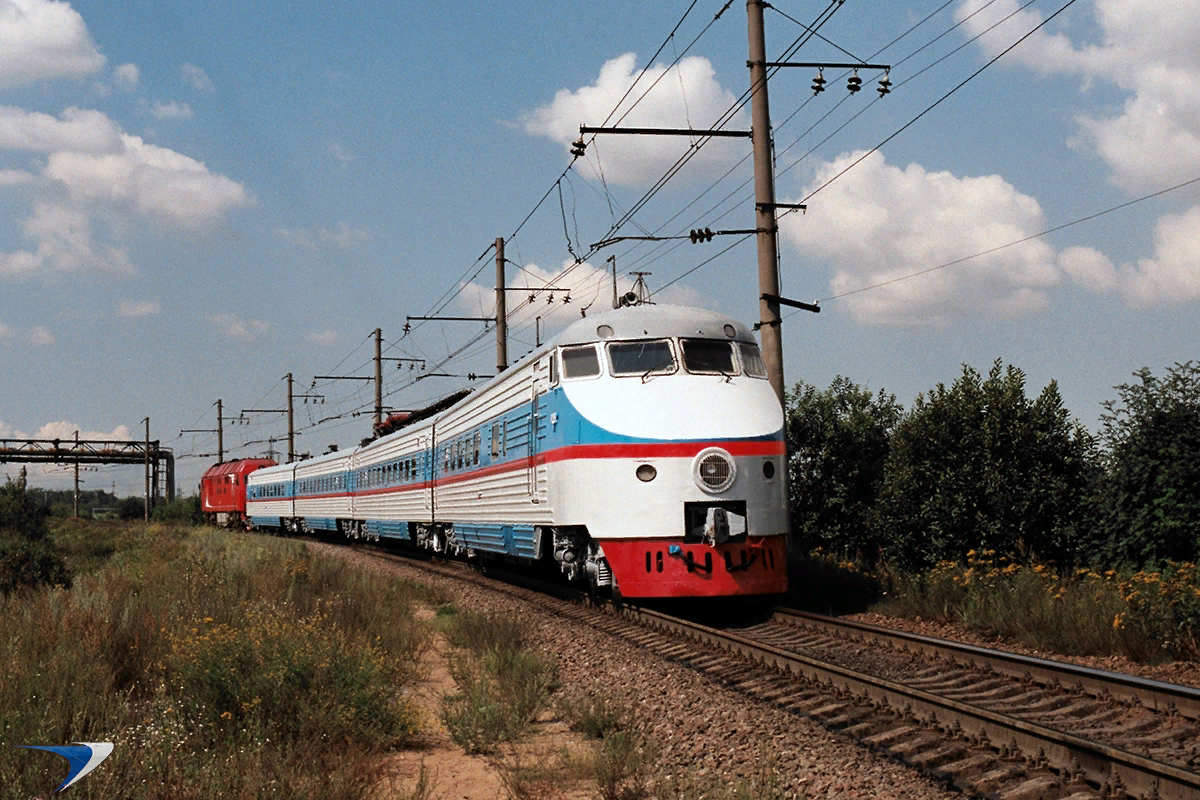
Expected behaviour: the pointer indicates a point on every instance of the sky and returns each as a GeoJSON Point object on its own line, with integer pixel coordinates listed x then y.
{"type": "Point", "coordinates": [199, 199]}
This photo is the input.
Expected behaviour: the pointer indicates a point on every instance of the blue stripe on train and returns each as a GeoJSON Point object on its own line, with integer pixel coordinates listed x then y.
{"type": "Point", "coordinates": [388, 528]}
{"type": "Point", "coordinates": [321, 524]}
{"type": "Point", "coordinates": [265, 522]}
{"type": "Point", "coordinates": [513, 540]}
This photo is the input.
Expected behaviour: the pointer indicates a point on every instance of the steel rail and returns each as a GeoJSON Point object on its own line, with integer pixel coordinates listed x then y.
{"type": "Point", "coordinates": [1070, 755]}
{"type": "Point", "coordinates": [1157, 695]}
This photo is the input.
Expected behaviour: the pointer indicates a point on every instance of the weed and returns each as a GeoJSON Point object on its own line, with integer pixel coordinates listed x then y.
{"type": "Point", "coordinates": [540, 775]}
{"type": "Point", "coordinates": [595, 715]}
{"type": "Point", "coordinates": [623, 765]}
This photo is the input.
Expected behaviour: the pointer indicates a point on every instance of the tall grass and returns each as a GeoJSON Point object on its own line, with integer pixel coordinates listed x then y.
{"type": "Point", "coordinates": [218, 664]}
{"type": "Point", "coordinates": [502, 686]}
{"type": "Point", "coordinates": [1146, 615]}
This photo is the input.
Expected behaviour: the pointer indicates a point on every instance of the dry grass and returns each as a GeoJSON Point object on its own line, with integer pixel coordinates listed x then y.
{"type": "Point", "coordinates": [220, 665]}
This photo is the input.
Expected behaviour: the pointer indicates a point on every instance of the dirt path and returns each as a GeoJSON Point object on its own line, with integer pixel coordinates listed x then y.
{"type": "Point", "coordinates": [453, 774]}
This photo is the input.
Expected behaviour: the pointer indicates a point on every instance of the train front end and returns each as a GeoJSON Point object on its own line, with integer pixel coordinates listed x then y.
{"type": "Point", "coordinates": [671, 453]}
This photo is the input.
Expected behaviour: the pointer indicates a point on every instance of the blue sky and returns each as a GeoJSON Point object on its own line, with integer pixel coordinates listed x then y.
{"type": "Point", "coordinates": [199, 199]}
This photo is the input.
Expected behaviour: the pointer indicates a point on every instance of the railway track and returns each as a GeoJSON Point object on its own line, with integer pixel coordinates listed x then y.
{"type": "Point", "coordinates": [993, 724]}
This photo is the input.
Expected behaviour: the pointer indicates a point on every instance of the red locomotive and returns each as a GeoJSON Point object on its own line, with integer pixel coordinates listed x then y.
{"type": "Point", "coordinates": [223, 491]}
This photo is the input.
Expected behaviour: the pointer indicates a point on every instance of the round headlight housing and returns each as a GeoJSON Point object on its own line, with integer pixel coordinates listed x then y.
{"type": "Point", "coordinates": [714, 470]}
{"type": "Point", "coordinates": [646, 473]}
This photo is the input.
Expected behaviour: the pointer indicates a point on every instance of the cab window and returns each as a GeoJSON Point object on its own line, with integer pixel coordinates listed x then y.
{"type": "Point", "coordinates": [752, 360]}
{"type": "Point", "coordinates": [708, 356]}
{"type": "Point", "coordinates": [580, 362]}
{"type": "Point", "coordinates": [641, 358]}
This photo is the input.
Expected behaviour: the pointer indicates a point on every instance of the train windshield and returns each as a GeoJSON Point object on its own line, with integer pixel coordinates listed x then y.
{"type": "Point", "coordinates": [653, 357]}
{"type": "Point", "coordinates": [752, 360]}
{"type": "Point", "coordinates": [708, 356]}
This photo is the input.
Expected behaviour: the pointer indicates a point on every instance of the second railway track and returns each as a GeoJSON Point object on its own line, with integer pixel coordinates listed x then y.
{"type": "Point", "coordinates": [991, 723]}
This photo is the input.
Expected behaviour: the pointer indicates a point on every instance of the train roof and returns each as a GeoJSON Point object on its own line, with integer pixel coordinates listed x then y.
{"type": "Point", "coordinates": [240, 467]}
{"type": "Point", "coordinates": [655, 322]}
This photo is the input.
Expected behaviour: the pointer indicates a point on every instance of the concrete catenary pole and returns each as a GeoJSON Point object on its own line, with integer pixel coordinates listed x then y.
{"type": "Point", "coordinates": [501, 311]}
{"type": "Point", "coordinates": [378, 376]}
{"type": "Point", "coordinates": [764, 200]}
{"type": "Point", "coordinates": [220, 434]}
{"type": "Point", "coordinates": [75, 513]}
{"type": "Point", "coordinates": [291, 425]}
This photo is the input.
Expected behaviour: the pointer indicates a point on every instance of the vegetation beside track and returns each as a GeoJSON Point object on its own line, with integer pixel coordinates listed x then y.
{"type": "Point", "coordinates": [220, 666]}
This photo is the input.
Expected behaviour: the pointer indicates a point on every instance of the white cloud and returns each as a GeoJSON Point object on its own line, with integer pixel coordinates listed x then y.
{"type": "Point", "coordinates": [235, 327]}
{"type": "Point", "coordinates": [323, 338]}
{"type": "Point", "coordinates": [345, 236]}
{"type": "Point", "coordinates": [64, 236]}
{"type": "Point", "coordinates": [879, 222]}
{"type": "Point", "coordinates": [341, 153]}
{"type": "Point", "coordinates": [66, 430]}
{"type": "Point", "coordinates": [126, 75]}
{"type": "Point", "coordinates": [75, 130]}
{"type": "Point", "coordinates": [1147, 49]}
{"type": "Point", "coordinates": [174, 110]}
{"type": "Point", "coordinates": [150, 180]}
{"type": "Point", "coordinates": [138, 308]}
{"type": "Point", "coordinates": [103, 171]}
{"type": "Point", "coordinates": [43, 40]}
{"type": "Point", "coordinates": [13, 177]}
{"type": "Point", "coordinates": [589, 287]}
{"type": "Point", "coordinates": [40, 336]}
{"type": "Point", "coordinates": [198, 79]}
{"type": "Point", "coordinates": [1089, 268]}
{"type": "Point", "coordinates": [1173, 275]}
{"type": "Point", "coordinates": [688, 97]}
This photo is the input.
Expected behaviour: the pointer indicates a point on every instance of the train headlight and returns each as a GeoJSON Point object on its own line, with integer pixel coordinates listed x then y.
{"type": "Point", "coordinates": [646, 473]}
{"type": "Point", "coordinates": [714, 470]}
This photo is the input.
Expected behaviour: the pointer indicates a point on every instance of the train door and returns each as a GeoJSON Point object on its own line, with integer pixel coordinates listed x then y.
{"type": "Point", "coordinates": [538, 428]}
{"type": "Point", "coordinates": [429, 457]}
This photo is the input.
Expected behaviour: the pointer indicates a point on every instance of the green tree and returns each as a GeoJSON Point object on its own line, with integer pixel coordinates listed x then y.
{"type": "Point", "coordinates": [1150, 490]}
{"type": "Point", "coordinates": [27, 557]}
{"type": "Point", "coordinates": [21, 515]}
{"type": "Point", "coordinates": [979, 466]}
{"type": "Point", "coordinates": [838, 441]}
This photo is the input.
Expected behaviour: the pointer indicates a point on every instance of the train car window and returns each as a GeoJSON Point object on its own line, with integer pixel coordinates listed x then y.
{"type": "Point", "coordinates": [477, 442]}
{"type": "Point", "coordinates": [495, 440]}
{"type": "Point", "coordinates": [459, 453]}
{"type": "Point", "coordinates": [553, 369]}
{"type": "Point", "coordinates": [652, 357]}
{"type": "Point", "coordinates": [580, 362]}
{"type": "Point", "coordinates": [752, 360]}
{"type": "Point", "coordinates": [708, 356]}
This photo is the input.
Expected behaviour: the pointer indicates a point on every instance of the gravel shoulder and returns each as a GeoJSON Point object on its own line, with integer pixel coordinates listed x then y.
{"type": "Point", "coordinates": [702, 728]}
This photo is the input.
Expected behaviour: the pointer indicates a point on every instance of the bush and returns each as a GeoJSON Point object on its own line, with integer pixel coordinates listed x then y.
{"type": "Point", "coordinates": [29, 564]}
{"type": "Point", "coordinates": [181, 509]}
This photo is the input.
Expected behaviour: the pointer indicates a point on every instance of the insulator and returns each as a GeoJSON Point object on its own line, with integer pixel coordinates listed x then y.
{"type": "Point", "coordinates": [567, 299]}
{"type": "Point", "coordinates": [550, 299]}
{"type": "Point", "coordinates": [578, 147]}
{"type": "Point", "coordinates": [532, 297]}
{"type": "Point", "coordinates": [854, 83]}
{"type": "Point", "coordinates": [885, 86]}
{"type": "Point", "coordinates": [818, 85]}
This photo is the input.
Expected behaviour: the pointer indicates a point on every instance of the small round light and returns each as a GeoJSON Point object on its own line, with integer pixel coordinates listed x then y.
{"type": "Point", "coordinates": [768, 469]}
{"type": "Point", "coordinates": [730, 331]}
{"type": "Point", "coordinates": [646, 473]}
{"type": "Point", "coordinates": [604, 331]}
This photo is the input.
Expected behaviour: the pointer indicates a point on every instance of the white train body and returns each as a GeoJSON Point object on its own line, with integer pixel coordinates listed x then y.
{"type": "Point", "coordinates": [643, 448]}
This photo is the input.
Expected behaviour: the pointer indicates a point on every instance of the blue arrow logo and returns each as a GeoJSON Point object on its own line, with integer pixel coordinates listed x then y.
{"type": "Point", "coordinates": [82, 756]}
